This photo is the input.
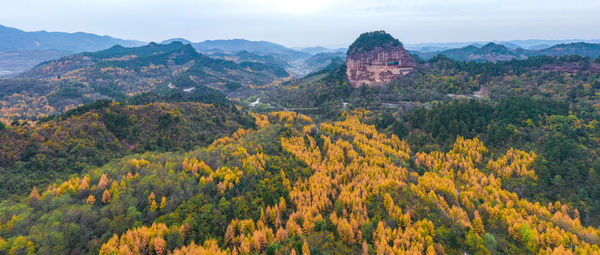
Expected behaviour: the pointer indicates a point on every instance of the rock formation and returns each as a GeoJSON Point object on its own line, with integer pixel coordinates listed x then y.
{"type": "Point", "coordinates": [376, 58]}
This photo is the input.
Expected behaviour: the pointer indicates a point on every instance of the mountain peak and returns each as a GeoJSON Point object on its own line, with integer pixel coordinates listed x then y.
{"type": "Point", "coordinates": [492, 45]}
{"type": "Point", "coordinates": [376, 58]}
{"type": "Point", "coordinates": [182, 40]}
{"type": "Point", "coordinates": [188, 49]}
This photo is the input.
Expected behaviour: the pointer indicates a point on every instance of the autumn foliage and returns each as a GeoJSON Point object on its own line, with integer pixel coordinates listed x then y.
{"type": "Point", "coordinates": [341, 186]}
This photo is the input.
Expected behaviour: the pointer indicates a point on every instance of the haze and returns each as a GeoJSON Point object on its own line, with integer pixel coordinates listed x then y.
{"type": "Point", "coordinates": [332, 23]}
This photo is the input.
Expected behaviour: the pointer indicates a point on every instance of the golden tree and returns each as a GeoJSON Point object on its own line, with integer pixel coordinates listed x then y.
{"type": "Point", "coordinates": [103, 182]}
{"type": "Point", "coordinates": [305, 249]}
{"type": "Point", "coordinates": [91, 200]}
{"type": "Point", "coordinates": [105, 196]}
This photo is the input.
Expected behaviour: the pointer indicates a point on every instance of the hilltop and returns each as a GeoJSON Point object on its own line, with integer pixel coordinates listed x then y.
{"type": "Point", "coordinates": [371, 40]}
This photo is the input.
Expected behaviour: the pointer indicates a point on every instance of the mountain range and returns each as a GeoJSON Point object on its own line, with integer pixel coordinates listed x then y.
{"type": "Point", "coordinates": [20, 50]}
{"type": "Point", "coordinates": [530, 44]}
{"type": "Point", "coordinates": [173, 70]}
{"type": "Point", "coordinates": [298, 61]}
{"type": "Point", "coordinates": [13, 38]}
{"type": "Point", "coordinates": [496, 52]}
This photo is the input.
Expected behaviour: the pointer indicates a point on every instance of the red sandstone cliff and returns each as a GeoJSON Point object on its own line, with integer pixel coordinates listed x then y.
{"type": "Point", "coordinates": [376, 58]}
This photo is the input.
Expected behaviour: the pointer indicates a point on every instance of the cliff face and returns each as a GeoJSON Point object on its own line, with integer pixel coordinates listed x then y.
{"type": "Point", "coordinates": [376, 58]}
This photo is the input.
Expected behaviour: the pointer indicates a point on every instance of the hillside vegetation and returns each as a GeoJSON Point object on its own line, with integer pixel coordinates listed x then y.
{"type": "Point", "coordinates": [37, 154]}
{"type": "Point", "coordinates": [291, 188]}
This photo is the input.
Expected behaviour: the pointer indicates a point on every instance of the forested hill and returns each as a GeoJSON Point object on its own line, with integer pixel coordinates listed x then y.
{"type": "Point", "coordinates": [141, 69]}
{"type": "Point", "coordinates": [89, 136]}
{"type": "Point", "coordinates": [120, 72]}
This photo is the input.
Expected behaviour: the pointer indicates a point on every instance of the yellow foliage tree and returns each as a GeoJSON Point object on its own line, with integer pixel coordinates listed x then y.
{"type": "Point", "coordinates": [91, 200]}
{"type": "Point", "coordinates": [105, 196]}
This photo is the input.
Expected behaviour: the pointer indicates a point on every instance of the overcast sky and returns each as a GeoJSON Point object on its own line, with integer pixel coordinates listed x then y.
{"type": "Point", "coordinates": [332, 23]}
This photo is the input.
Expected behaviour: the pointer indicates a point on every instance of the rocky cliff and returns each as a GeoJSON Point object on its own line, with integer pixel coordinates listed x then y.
{"type": "Point", "coordinates": [376, 58]}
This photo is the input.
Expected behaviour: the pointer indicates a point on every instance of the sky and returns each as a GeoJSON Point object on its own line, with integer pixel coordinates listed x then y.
{"type": "Point", "coordinates": [303, 23]}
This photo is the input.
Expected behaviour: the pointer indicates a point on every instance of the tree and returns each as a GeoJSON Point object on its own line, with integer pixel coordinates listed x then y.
{"type": "Point", "coordinates": [259, 240]}
{"type": "Point", "coordinates": [105, 196]}
{"type": "Point", "coordinates": [34, 196]}
{"type": "Point", "coordinates": [91, 200]}
{"type": "Point", "coordinates": [528, 237]}
{"type": "Point", "coordinates": [163, 202]}
{"type": "Point", "coordinates": [490, 242]}
{"type": "Point", "coordinates": [159, 245]}
{"type": "Point", "coordinates": [22, 245]}
{"type": "Point", "coordinates": [305, 250]}
{"type": "Point", "coordinates": [103, 182]}
{"type": "Point", "coordinates": [84, 184]}
{"type": "Point", "coordinates": [152, 202]}
{"type": "Point", "coordinates": [478, 224]}
{"type": "Point", "coordinates": [475, 243]}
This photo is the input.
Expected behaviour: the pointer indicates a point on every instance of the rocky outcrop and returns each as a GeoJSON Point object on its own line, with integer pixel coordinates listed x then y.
{"type": "Point", "coordinates": [376, 58]}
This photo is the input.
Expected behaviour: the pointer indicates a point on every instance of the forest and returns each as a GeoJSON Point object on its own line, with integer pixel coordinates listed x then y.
{"type": "Point", "coordinates": [289, 185]}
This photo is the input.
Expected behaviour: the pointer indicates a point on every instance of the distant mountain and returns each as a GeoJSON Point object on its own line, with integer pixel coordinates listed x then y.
{"type": "Point", "coordinates": [240, 50]}
{"type": "Point", "coordinates": [496, 52]}
{"type": "Point", "coordinates": [582, 49]}
{"type": "Point", "coordinates": [535, 44]}
{"type": "Point", "coordinates": [20, 50]}
{"type": "Point", "coordinates": [539, 46]}
{"type": "Point", "coordinates": [245, 56]}
{"type": "Point", "coordinates": [13, 39]}
{"type": "Point", "coordinates": [322, 61]}
{"type": "Point", "coordinates": [184, 41]}
{"type": "Point", "coordinates": [531, 44]}
{"type": "Point", "coordinates": [264, 47]}
{"type": "Point", "coordinates": [319, 49]}
{"type": "Point", "coordinates": [15, 61]}
{"type": "Point", "coordinates": [489, 52]}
